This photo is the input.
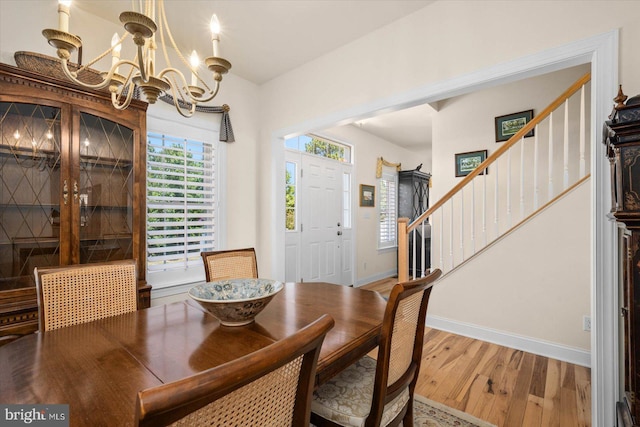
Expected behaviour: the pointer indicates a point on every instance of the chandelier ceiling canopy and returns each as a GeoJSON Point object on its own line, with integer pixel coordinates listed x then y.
{"type": "Point", "coordinates": [125, 77]}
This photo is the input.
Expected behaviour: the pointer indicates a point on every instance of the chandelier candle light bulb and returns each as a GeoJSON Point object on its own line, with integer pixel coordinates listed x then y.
{"type": "Point", "coordinates": [195, 63]}
{"type": "Point", "coordinates": [215, 35]}
{"type": "Point", "coordinates": [115, 53]}
{"type": "Point", "coordinates": [63, 15]}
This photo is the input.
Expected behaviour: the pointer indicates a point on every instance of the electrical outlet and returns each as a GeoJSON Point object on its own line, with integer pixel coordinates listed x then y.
{"type": "Point", "coordinates": [365, 265]}
{"type": "Point", "coordinates": [586, 323]}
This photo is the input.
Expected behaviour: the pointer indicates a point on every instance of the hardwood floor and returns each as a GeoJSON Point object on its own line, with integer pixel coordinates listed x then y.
{"type": "Point", "coordinates": [507, 387]}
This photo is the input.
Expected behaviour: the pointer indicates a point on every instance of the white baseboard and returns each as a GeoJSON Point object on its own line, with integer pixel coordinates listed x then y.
{"type": "Point", "coordinates": [385, 275]}
{"type": "Point", "coordinates": [542, 348]}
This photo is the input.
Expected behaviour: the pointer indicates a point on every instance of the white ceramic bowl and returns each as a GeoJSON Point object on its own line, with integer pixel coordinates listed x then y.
{"type": "Point", "coordinates": [236, 302]}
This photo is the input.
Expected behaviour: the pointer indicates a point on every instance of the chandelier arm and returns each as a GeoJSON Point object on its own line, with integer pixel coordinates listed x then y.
{"type": "Point", "coordinates": [181, 110]}
{"type": "Point", "coordinates": [164, 74]}
{"type": "Point", "coordinates": [182, 97]}
{"type": "Point", "coordinates": [124, 62]}
{"type": "Point", "coordinates": [192, 98]}
{"type": "Point", "coordinates": [127, 101]}
{"type": "Point", "coordinates": [206, 86]}
{"type": "Point", "coordinates": [131, 71]}
{"type": "Point", "coordinates": [72, 76]}
{"type": "Point", "coordinates": [211, 96]}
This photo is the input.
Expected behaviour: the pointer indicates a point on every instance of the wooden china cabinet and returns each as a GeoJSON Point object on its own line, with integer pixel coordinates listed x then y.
{"type": "Point", "coordinates": [622, 139]}
{"type": "Point", "coordinates": [72, 186]}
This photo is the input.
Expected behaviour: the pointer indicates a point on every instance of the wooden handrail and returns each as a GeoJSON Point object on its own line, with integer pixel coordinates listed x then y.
{"type": "Point", "coordinates": [502, 149]}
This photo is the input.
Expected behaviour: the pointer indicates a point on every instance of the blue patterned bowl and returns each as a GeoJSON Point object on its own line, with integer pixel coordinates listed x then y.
{"type": "Point", "coordinates": [236, 302]}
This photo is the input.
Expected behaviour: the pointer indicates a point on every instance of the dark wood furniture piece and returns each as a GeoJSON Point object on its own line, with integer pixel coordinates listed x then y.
{"type": "Point", "coordinates": [395, 371]}
{"type": "Point", "coordinates": [271, 386]}
{"type": "Point", "coordinates": [413, 201]}
{"type": "Point", "coordinates": [230, 264]}
{"type": "Point", "coordinates": [72, 187]}
{"type": "Point", "coordinates": [99, 367]}
{"type": "Point", "coordinates": [622, 139]}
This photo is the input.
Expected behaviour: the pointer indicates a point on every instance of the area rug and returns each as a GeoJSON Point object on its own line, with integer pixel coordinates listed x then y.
{"type": "Point", "coordinates": [427, 413]}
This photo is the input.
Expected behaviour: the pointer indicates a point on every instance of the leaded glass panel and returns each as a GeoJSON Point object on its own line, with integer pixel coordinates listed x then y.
{"type": "Point", "coordinates": [105, 190]}
{"type": "Point", "coordinates": [29, 191]}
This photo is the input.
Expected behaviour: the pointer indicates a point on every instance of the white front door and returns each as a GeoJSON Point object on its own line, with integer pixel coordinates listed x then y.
{"type": "Point", "coordinates": [320, 248]}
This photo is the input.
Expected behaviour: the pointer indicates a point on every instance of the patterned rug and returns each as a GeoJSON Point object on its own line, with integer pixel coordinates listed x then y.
{"type": "Point", "coordinates": [427, 413]}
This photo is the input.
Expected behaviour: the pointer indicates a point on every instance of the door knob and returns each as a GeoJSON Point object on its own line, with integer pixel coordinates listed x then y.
{"type": "Point", "coordinates": [339, 233]}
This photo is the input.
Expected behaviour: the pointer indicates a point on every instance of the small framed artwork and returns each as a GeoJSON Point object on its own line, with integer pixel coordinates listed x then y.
{"type": "Point", "coordinates": [508, 125]}
{"type": "Point", "coordinates": [367, 195]}
{"type": "Point", "coordinates": [466, 162]}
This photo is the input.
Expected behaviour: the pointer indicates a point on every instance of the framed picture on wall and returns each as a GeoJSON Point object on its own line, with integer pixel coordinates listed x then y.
{"type": "Point", "coordinates": [367, 195]}
{"type": "Point", "coordinates": [466, 162]}
{"type": "Point", "coordinates": [508, 125]}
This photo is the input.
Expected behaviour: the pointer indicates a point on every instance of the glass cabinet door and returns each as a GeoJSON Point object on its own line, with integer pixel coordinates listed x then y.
{"type": "Point", "coordinates": [30, 219]}
{"type": "Point", "coordinates": [105, 190]}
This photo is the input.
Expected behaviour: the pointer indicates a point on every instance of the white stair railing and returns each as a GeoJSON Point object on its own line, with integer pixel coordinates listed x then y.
{"type": "Point", "coordinates": [517, 170]}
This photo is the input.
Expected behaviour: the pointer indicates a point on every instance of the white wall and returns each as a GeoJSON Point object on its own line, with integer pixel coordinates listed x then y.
{"type": "Point", "coordinates": [541, 293]}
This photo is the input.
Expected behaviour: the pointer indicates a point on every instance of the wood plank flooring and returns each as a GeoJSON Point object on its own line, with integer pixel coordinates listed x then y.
{"type": "Point", "coordinates": [507, 387]}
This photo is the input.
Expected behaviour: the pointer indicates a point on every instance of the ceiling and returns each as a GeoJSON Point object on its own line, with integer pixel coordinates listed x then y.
{"type": "Point", "coordinates": [409, 128]}
{"type": "Point", "coordinates": [267, 38]}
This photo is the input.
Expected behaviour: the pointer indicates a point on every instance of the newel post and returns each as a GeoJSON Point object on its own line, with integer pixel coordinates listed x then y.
{"type": "Point", "coordinates": [403, 250]}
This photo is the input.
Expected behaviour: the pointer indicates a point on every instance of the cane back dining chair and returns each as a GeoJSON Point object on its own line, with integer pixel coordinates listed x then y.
{"type": "Point", "coordinates": [230, 264]}
{"type": "Point", "coordinates": [73, 294]}
{"type": "Point", "coordinates": [269, 387]}
{"type": "Point", "coordinates": [380, 393]}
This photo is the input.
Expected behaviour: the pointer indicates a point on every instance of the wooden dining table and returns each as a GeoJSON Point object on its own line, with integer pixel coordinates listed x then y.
{"type": "Point", "coordinates": [97, 368]}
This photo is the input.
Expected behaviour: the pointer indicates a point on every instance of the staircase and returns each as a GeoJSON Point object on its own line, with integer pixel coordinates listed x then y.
{"type": "Point", "coordinates": [526, 176]}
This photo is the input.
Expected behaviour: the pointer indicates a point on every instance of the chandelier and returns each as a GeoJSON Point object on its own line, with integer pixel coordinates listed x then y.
{"type": "Point", "coordinates": [140, 74]}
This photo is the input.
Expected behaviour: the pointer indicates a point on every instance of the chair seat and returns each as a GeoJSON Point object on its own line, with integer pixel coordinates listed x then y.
{"type": "Point", "coordinates": [346, 398]}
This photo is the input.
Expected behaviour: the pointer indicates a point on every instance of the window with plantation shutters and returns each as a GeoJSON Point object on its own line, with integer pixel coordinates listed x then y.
{"type": "Point", "coordinates": [387, 210]}
{"type": "Point", "coordinates": [180, 205]}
